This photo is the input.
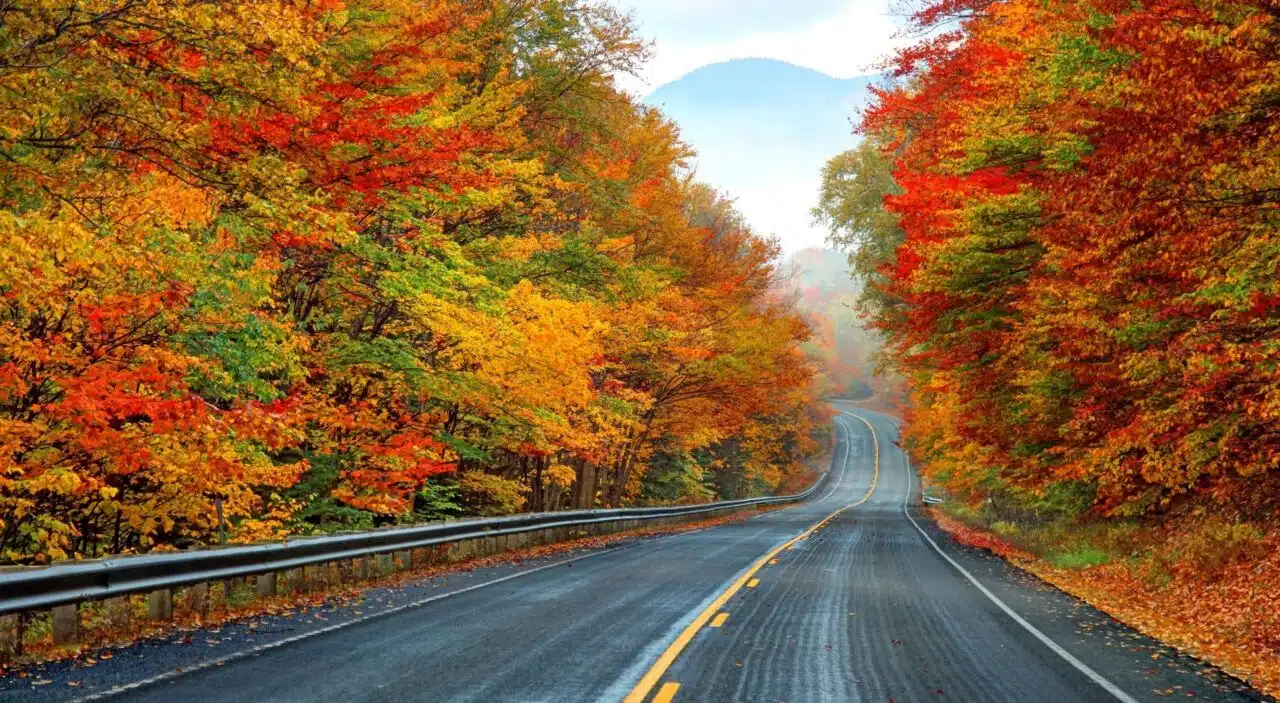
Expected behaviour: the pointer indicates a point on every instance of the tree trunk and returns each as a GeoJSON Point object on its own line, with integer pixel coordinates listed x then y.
{"type": "Point", "coordinates": [624, 472]}
{"type": "Point", "coordinates": [586, 485]}
{"type": "Point", "coordinates": [538, 501]}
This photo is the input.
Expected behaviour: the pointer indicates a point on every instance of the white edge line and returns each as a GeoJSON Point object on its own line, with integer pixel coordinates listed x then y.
{"type": "Point", "coordinates": [220, 661]}
{"type": "Point", "coordinates": [200, 666]}
{"type": "Point", "coordinates": [844, 463]}
{"type": "Point", "coordinates": [209, 663]}
{"type": "Point", "coordinates": [1068, 657]}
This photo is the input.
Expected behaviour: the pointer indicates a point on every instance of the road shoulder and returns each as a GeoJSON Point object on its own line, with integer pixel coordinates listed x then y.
{"type": "Point", "coordinates": [1140, 665]}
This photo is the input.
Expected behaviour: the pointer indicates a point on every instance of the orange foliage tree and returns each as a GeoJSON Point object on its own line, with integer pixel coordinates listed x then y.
{"type": "Point", "coordinates": [270, 266]}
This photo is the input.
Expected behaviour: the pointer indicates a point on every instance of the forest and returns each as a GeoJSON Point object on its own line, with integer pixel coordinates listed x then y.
{"type": "Point", "coordinates": [1068, 215]}
{"type": "Point", "coordinates": [279, 267]}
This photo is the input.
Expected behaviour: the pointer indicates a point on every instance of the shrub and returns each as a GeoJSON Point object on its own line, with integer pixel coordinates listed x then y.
{"type": "Point", "coordinates": [1215, 544]}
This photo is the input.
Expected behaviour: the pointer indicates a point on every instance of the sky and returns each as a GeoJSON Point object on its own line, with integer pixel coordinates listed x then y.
{"type": "Point", "coordinates": [774, 182]}
{"type": "Point", "coordinates": [841, 38]}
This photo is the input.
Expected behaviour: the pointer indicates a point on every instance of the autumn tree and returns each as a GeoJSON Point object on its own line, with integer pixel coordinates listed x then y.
{"type": "Point", "coordinates": [272, 267]}
{"type": "Point", "coordinates": [851, 208]}
{"type": "Point", "coordinates": [1090, 257]}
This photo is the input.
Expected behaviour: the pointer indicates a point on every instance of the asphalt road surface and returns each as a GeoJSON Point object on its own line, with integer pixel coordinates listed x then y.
{"type": "Point", "coordinates": [853, 596]}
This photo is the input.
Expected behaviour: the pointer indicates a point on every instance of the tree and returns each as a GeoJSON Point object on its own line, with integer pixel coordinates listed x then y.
{"type": "Point", "coordinates": [274, 267]}
{"type": "Point", "coordinates": [1088, 272]}
{"type": "Point", "coordinates": [851, 207]}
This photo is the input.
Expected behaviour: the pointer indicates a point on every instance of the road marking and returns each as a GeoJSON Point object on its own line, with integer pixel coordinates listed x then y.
{"type": "Point", "coordinates": [844, 464]}
{"type": "Point", "coordinates": [719, 620]}
{"type": "Point", "coordinates": [259, 649]}
{"type": "Point", "coordinates": [668, 656]}
{"type": "Point", "coordinates": [753, 583]}
{"type": "Point", "coordinates": [667, 692]}
{"type": "Point", "coordinates": [1068, 657]}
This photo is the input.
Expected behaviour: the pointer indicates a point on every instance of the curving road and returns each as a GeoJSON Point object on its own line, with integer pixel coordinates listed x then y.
{"type": "Point", "coordinates": [851, 597]}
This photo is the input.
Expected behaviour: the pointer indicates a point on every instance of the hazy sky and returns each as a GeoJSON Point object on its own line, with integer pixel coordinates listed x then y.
{"type": "Point", "coordinates": [774, 181]}
{"type": "Point", "coordinates": [842, 38]}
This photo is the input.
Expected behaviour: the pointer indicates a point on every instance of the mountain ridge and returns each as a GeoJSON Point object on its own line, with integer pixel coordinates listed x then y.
{"type": "Point", "coordinates": [763, 129]}
{"type": "Point", "coordinates": [760, 67]}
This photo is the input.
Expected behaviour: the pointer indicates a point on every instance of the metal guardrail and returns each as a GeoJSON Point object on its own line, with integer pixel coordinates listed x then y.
{"type": "Point", "coordinates": [43, 587]}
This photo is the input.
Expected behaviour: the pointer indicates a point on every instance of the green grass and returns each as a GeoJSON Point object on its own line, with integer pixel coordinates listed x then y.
{"type": "Point", "coordinates": [1081, 558]}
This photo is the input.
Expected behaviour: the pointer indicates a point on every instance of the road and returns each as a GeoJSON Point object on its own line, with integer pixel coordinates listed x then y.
{"type": "Point", "coordinates": [873, 605]}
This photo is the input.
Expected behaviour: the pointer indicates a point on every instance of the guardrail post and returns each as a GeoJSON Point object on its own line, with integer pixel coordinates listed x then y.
{"type": "Point", "coordinates": [266, 585]}
{"type": "Point", "coordinates": [116, 612]}
{"type": "Point", "coordinates": [66, 623]}
{"type": "Point", "coordinates": [198, 596]}
{"type": "Point", "coordinates": [10, 637]}
{"type": "Point", "coordinates": [160, 605]}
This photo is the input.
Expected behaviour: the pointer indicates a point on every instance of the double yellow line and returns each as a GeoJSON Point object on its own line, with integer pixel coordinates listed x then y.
{"type": "Point", "coordinates": [668, 657]}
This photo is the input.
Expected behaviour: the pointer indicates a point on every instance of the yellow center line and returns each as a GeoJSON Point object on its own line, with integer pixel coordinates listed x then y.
{"type": "Point", "coordinates": [719, 620]}
{"type": "Point", "coordinates": [668, 656]}
{"type": "Point", "coordinates": [667, 692]}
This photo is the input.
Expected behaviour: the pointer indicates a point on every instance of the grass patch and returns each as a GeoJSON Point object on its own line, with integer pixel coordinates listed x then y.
{"type": "Point", "coordinates": [1081, 558]}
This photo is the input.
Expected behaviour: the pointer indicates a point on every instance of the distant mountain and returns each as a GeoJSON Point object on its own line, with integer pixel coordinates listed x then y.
{"type": "Point", "coordinates": [763, 130]}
